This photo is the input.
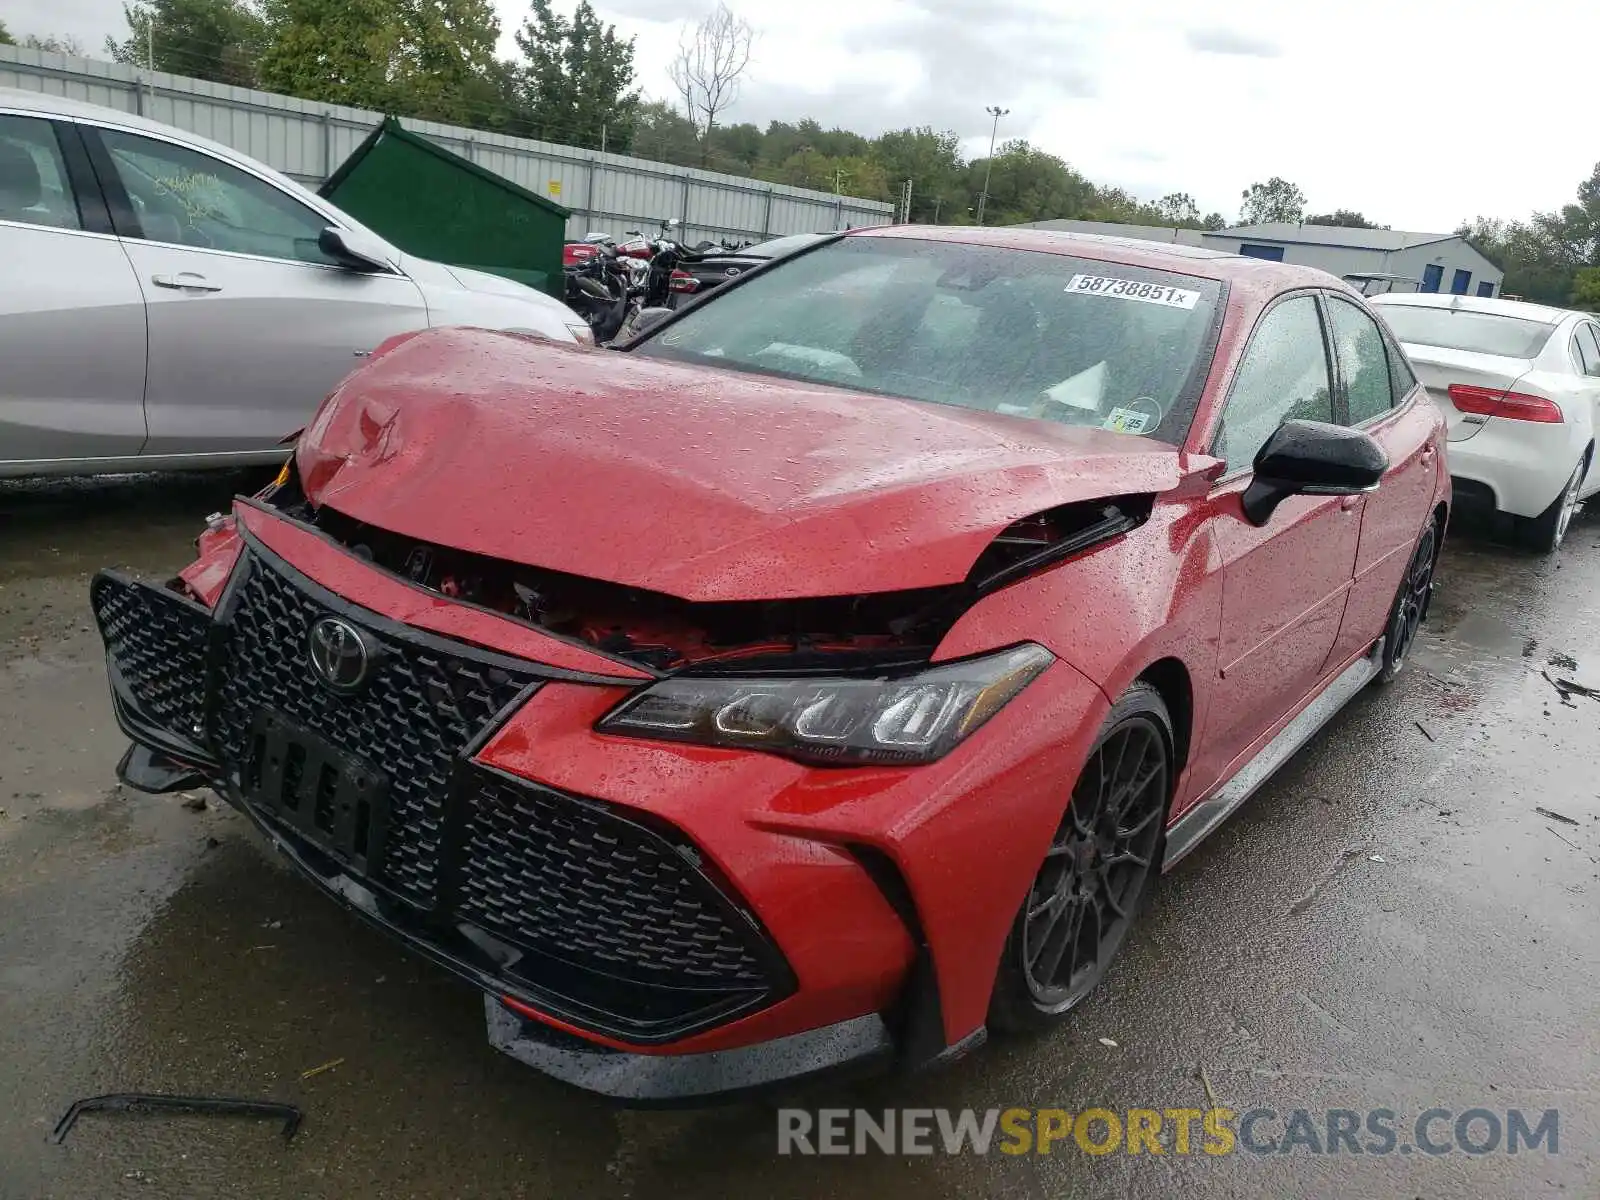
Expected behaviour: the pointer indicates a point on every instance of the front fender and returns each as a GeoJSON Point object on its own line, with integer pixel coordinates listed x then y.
{"type": "Point", "coordinates": [1154, 593]}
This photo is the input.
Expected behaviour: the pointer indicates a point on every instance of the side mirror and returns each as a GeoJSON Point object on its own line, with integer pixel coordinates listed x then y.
{"type": "Point", "coordinates": [354, 249]}
{"type": "Point", "coordinates": [648, 318]}
{"type": "Point", "coordinates": [1312, 458]}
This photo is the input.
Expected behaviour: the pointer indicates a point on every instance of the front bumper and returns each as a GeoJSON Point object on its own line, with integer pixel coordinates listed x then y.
{"type": "Point", "coordinates": [630, 960]}
{"type": "Point", "coordinates": [793, 919]}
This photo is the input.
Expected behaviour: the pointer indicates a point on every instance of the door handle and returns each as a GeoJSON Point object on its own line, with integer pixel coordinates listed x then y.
{"type": "Point", "coordinates": [185, 281]}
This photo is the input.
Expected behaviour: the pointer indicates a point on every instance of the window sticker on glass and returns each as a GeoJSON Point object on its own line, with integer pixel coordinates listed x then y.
{"type": "Point", "coordinates": [1130, 289]}
{"type": "Point", "coordinates": [1130, 419]}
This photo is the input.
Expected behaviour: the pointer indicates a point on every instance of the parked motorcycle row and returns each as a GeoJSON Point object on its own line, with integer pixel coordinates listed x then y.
{"type": "Point", "coordinates": [609, 282]}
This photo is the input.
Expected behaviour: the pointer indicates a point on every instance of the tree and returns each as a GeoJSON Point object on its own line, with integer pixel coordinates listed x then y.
{"type": "Point", "coordinates": [1586, 289]}
{"type": "Point", "coordinates": [423, 58]}
{"type": "Point", "coordinates": [1178, 208]}
{"type": "Point", "coordinates": [933, 163]}
{"type": "Point", "coordinates": [340, 51]}
{"type": "Point", "coordinates": [1343, 217]}
{"type": "Point", "coordinates": [1275, 200]}
{"type": "Point", "coordinates": [1213, 222]}
{"type": "Point", "coordinates": [446, 53]}
{"type": "Point", "coordinates": [663, 134]}
{"type": "Point", "coordinates": [221, 40]}
{"type": "Point", "coordinates": [578, 78]}
{"type": "Point", "coordinates": [1028, 184]}
{"type": "Point", "coordinates": [65, 44]}
{"type": "Point", "coordinates": [5, 36]}
{"type": "Point", "coordinates": [711, 58]}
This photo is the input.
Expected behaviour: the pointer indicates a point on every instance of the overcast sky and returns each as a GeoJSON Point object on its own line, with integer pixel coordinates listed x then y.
{"type": "Point", "coordinates": [1419, 113]}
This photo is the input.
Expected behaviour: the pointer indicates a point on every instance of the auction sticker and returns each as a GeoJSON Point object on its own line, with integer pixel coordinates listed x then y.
{"type": "Point", "coordinates": [1127, 420]}
{"type": "Point", "coordinates": [1129, 289]}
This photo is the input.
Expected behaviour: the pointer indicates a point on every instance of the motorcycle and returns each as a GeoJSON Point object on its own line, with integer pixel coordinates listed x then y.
{"type": "Point", "coordinates": [666, 281]}
{"type": "Point", "coordinates": [598, 286]}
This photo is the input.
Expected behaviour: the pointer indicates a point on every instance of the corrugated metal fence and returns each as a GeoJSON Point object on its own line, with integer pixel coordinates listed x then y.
{"type": "Point", "coordinates": [306, 140]}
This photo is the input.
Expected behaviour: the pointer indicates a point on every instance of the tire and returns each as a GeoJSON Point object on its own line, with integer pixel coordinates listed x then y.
{"type": "Point", "coordinates": [1099, 865]}
{"type": "Point", "coordinates": [1543, 533]}
{"type": "Point", "coordinates": [1410, 604]}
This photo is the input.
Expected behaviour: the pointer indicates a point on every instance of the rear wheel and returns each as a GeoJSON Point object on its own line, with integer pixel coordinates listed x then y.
{"type": "Point", "coordinates": [1544, 532]}
{"type": "Point", "coordinates": [1410, 605]}
{"type": "Point", "coordinates": [1097, 873]}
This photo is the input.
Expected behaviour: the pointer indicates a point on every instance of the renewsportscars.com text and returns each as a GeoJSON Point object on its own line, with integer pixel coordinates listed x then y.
{"type": "Point", "coordinates": [1179, 1131]}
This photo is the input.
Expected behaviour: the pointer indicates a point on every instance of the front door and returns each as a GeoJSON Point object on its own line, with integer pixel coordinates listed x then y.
{"type": "Point", "coordinates": [1284, 584]}
{"type": "Point", "coordinates": [72, 334]}
{"type": "Point", "coordinates": [251, 324]}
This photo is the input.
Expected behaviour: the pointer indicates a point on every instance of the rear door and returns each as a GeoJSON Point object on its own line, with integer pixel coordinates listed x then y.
{"type": "Point", "coordinates": [72, 321]}
{"type": "Point", "coordinates": [1380, 394]}
{"type": "Point", "coordinates": [1284, 583]}
{"type": "Point", "coordinates": [251, 324]}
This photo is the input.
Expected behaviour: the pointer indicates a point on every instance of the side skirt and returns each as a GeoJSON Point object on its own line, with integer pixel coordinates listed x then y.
{"type": "Point", "coordinates": [1192, 828]}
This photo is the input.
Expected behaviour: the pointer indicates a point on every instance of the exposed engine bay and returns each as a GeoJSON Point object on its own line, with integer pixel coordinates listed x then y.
{"type": "Point", "coordinates": [872, 630]}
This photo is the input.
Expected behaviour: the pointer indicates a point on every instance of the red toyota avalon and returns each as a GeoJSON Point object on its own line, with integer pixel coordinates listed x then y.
{"type": "Point", "coordinates": [822, 679]}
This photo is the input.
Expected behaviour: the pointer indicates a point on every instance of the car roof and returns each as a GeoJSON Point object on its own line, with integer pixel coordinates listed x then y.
{"type": "Point", "coordinates": [1261, 275]}
{"type": "Point", "coordinates": [18, 100]}
{"type": "Point", "coordinates": [1520, 309]}
{"type": "Point", "coordinates": [80, 110]}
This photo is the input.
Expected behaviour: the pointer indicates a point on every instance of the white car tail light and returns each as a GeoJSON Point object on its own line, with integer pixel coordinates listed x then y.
{"type": "Point", "coordinates": [1514, 406]}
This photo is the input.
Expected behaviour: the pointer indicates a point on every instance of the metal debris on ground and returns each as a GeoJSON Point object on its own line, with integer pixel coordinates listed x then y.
{"type": "Point", "coordinates": [1377, 858]}
{"type": "Point", "coordinates": [1205, 1082]}
{"type": "Point", "coordinates": [1108, 1042]}
{"type": "Point", "coordinates": [195, 803]}
{"type": "Point", "coordinates": [1555, 816]}
{"type": "Point", "coordinates": [211, 1106]}
{"type": "Point", "coordinates": [1567, 688]}
{"type": "Point", "coordinates": [1424, 730]}
{"type": "Point", "coordinates": [327, 1066]}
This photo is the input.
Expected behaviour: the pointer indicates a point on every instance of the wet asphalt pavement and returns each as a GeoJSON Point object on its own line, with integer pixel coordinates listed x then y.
{"type": "Point", "coordinates": [1389, 924]}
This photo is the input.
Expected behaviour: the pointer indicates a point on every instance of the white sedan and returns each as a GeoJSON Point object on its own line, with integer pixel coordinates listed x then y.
{"type": "Point", "coordinates": [1520, 388]}
{"type": "Point", "coordinates": [166, 302]}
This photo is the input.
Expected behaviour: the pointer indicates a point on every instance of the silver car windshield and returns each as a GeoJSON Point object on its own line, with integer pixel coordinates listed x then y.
{"type": "Point", "coordinates": [1015, 332]}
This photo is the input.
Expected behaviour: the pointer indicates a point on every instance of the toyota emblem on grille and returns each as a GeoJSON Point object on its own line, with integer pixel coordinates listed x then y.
{"type": "Point", "coordinates": [339, 654]}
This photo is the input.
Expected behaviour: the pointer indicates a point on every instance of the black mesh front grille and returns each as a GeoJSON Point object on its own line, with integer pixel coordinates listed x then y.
{"type": "Point", "coordinates": [593, 911]}
{"type": "Point", "coordinates": [412, 719]}
{"type": "Point", "coordinates": [574, 880]}
{"type": "Point", "coordinates": [157, 639]}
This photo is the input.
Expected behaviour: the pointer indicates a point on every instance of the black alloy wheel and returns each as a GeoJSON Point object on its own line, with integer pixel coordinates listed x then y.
{"type": "Point", "coordinates": [1411, 604]}
{"type": "Point", "coordinates": [1097, 872]}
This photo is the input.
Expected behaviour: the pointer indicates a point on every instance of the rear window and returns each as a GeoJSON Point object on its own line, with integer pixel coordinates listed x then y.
{"type": "Point", "coordinates": [1016, 332]}
{"type": "Point", "coordinates": [1458, 329]}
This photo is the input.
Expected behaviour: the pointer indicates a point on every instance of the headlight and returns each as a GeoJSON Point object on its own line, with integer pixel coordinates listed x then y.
{"type": "Point", "coordinates": [904, 719]}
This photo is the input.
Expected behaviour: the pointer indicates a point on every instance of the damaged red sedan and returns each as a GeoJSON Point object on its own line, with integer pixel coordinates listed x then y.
{"type": "Point", "coordinates": [821, 680]}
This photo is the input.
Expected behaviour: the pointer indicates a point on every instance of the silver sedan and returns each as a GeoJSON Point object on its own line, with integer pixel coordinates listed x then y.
{"type": "Point", "coordinates": [166, 302]}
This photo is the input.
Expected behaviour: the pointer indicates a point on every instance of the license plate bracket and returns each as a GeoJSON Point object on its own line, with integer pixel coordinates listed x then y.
{"type": "Point", "coordinates": [334, 799]}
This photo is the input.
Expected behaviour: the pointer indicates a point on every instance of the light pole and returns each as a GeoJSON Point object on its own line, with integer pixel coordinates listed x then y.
{"type": "Point", "coordinates": [995, 111]}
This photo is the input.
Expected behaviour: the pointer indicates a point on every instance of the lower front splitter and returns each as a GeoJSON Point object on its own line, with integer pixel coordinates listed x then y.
{"type": "Point", "coordinates": [861, 1044]}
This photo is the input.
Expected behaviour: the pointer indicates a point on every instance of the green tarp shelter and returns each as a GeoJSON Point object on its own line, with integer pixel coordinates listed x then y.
{"type": "Point", "coordinates": [438, 205]}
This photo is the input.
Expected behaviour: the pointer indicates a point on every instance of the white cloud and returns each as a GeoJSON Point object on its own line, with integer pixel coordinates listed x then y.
{"type": "Point", "coordinates": [1218, 40]}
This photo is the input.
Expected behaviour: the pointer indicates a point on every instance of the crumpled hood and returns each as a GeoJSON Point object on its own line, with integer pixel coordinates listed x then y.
{"type": "Point", "coordinates": [702, 484]}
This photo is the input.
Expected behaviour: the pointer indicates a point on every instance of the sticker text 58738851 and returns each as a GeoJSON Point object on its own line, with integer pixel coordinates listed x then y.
{"type": "Point", "coordinates": [1130, 289]}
